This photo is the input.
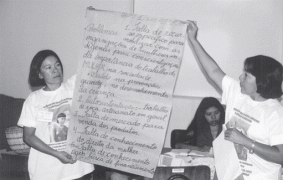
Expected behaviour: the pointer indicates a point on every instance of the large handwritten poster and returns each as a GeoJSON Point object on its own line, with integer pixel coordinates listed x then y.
{"type": "Point", "coordinates": [122, 100]}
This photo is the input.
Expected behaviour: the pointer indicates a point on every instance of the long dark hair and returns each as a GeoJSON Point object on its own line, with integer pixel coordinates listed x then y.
{"type": "Point", "coordinates": [199, 122]}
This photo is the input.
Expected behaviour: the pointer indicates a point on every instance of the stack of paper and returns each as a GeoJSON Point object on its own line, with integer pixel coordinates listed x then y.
{"type": "Point", "coordinates": [174, 159]}
{"type": "Point", "coordinates": [188, 152]}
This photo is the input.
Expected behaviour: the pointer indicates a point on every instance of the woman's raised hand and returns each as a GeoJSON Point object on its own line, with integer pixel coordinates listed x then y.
{"type": "Point", "coordinates": [192, 30]}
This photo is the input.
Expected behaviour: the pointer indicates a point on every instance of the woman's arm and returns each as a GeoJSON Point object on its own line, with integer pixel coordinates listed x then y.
{"type": "Point", "coordinates": [38, 144]}
{"type": "Point", "coordinates": [209, 65]}
{"type": "Point", "coordinates": [191, 147]}
{"type": "Point", "coordinates": [186, 146]}
{"type": "Point", "coordinates": [269, 153]}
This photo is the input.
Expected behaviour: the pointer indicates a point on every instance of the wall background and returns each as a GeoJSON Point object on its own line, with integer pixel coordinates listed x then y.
{"type": "Point", "coordinates": [229, 30]}
{"type": "Point", "coordinates": [28, 26]}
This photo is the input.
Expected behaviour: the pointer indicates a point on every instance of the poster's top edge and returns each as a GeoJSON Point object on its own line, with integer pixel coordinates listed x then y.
{"type": "Point", "coordinates": [145, 17]}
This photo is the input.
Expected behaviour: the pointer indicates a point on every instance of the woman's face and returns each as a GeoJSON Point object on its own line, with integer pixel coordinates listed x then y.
{"type": "Point", "coordinates": [212, 116]}
{"type": "Point", "coordinates": [61, 120]}
{"type": "Point", "coordinates": [248, 84]}
{"type": "Point", "coordinates": [51, 71]}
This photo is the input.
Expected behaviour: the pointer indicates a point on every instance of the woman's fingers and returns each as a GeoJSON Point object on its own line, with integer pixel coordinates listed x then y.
{"type": "Point", "coordinates": [234, 135]}
{"type": "Point", "coordinates": [191, 25]}
{"type": "Point", "coordinates": [228, 133]}
{"type": "Point", "coordinates": [66, 158]}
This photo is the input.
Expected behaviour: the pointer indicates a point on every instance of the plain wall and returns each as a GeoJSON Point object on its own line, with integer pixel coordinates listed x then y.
{"type": "Point", "coordinates": [229, 30]}
{"type": "Point", "coordinates": [28, 26]}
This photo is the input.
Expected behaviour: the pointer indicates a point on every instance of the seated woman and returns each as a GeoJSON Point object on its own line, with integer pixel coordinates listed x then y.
{"type": "Point", "coordinates": [205, 127]}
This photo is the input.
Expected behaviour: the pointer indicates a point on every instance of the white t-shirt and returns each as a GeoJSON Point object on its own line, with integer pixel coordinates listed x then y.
{"type": "Point", "coordinates": [260, 121]}
{"type": "Point", "coordinates": [41, 110]}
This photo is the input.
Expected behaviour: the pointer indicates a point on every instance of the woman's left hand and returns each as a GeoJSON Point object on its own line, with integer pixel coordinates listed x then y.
{"type": "Point", "coordinates": [234, 135]}
{"type": "Point", "coordinates": [65, 158]}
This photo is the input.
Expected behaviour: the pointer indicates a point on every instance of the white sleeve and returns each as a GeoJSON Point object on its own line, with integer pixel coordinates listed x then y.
{"type": "Point", "coordinates": [229, 87]}
{"type": "Point", "coordinates": [29, 114]}
{"type": "Point", "coordinates": [275, 129]}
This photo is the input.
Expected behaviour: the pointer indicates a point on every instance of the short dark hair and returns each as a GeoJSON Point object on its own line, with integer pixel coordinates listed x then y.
{"type": "Point", "coordinates": [268, 74]}
{"type": "Point", "coordinates": [61, 115]}
{"type": "Point", "coordinates": [35, 65]}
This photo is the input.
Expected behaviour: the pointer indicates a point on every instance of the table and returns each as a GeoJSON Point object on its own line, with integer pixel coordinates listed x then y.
{"type": "Point", "coordinates": [199, 170]}
{"type": "Point", "coordinates": [194, 163]}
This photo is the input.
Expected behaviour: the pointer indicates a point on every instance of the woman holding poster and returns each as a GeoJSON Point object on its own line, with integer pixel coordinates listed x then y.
{"type": "Point", "coordinates": [254, 116]}
{"type": "Point", "coordinates": [41, 109]}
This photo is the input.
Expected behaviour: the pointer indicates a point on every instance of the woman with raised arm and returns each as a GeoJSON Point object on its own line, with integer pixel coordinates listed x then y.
{"type": "Point", "coordinates": [253, 113]}
{"type": "Point", "coordinates": [45, 161]}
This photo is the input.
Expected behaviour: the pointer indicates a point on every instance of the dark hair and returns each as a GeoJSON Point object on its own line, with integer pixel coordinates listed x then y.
{"type": "Point", "coordinates": [268, 73]}
{"type": "Point", "coordinates": [61, 115]}
{"type": "Point", "coordinates": [199, 122]}
{"type": "Point", "coordinates": [35, 65]}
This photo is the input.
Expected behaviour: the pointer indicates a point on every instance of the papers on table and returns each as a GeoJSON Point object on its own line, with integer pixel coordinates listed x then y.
{"type": "Point", "coordinates": [170, 159]}
{"type": "Point", "coordinates": [178, 157]}
{"type": "Point", "coordinates": [201, 153]}
{"type": "Point", "coordinates": [188, 152]}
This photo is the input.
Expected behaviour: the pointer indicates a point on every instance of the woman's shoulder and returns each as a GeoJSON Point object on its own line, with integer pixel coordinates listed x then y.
{"type": "Point", "coordinates": [232, 91]}
{"type": "Point", "coordinates": [273, 106]}
{"type": "Point", "coordinates": [34, 95]}
{"type": "Point", "coordinates": [230, 83]}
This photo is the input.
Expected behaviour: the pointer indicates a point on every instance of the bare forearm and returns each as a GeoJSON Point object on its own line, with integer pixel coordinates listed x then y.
{"type": "Point", "coordinates": [203, 57]}
{"type": "Point", "coordinates": [207, 62]}
{"type": "Point", "coordinates": [39, 145]}
{"type": "Point", "coordinates": [186, 146]}
{"type": "Point", "coordinates": [269, 153]}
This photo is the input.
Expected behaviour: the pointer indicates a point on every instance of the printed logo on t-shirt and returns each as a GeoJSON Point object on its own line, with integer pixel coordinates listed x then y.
{"type": "Point", "coordinates": [58, 127]}
{"type": "Point", "coordinates": [44, 115]}
{"type": "Point", "coordinates": [242, 122]}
